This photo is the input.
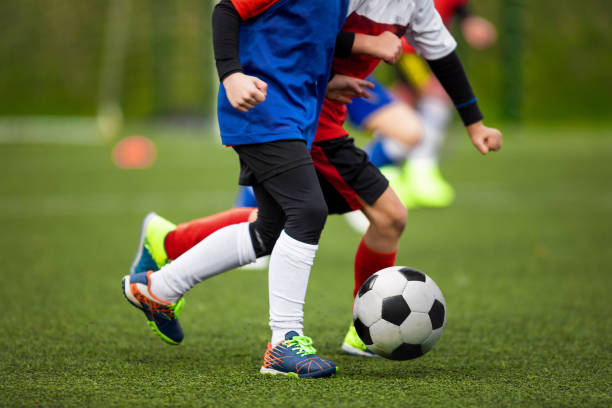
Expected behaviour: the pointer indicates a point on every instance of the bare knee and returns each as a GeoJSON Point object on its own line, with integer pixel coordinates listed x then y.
{"type": "Point", "coordinates": [398, 122]}
{"type": "Point", "coordinates": [390, 222]}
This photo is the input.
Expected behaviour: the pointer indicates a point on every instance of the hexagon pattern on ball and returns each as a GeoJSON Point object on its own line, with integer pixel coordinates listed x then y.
{"type": "Point", "coordinates": [418, 300]}
{"type": "Point", "coordinates": [370, 308]}
{"type": "Point", "coordinates": [399, 313]}
{"type": "Point", "coordinates": [416, 328]}
{"type": "Point", "coordinates": [385, 337]}
{"type": "Point", "coordinates": [389, 284]}
{"type": "Point", "coordinates": [367, 285]}
{"type": "Point", "coordinates": [395, 309]}
{"type": "Point", "coordinates": [363, 332]}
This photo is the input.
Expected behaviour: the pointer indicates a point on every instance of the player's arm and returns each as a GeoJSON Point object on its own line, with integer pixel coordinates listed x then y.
{"type": "Point", "coordinates": [244, 92]}
{"type": "Point", "coordinates": [431, 39]}
{"type": "Point", "coordinates": [386, 46]}
{"type": "Point", "coordinates": [343, 88]}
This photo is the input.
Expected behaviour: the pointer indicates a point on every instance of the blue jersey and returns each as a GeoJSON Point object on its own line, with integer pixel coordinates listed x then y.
{"type": "Point", "coordinates": [289, 46]}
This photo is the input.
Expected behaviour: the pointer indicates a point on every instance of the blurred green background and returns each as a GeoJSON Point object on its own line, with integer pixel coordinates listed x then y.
{"type": "Point", "coordinates": [523, 255]}
{"type": "Point", "coordinates": [552, 62]}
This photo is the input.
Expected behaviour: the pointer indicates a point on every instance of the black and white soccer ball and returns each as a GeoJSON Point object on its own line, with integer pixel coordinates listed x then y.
{"type": "Point", "coordinates": [399, 313]}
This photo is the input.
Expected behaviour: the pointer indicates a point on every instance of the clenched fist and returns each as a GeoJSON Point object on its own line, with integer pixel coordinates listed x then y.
{"type": "Point", "coordinates": [485, 139]}
{"type": "Point", "coordinates": [244, 92]}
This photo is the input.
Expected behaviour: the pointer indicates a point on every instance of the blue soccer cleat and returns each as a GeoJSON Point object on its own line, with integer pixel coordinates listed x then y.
{"type": "Point", "coordinates": [151, 254]}
{"type": "Point", "coordinates": [296, 357]}
{"type": "Point", "coordinates": [162, 315]}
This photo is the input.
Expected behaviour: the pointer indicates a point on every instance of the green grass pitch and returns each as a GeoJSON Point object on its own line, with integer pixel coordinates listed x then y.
{"type": "Point", "coordinates": [523, 257]}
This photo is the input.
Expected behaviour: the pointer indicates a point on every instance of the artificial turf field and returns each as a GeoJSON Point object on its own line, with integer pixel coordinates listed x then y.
{"type": "Point", "coordinates": [523, 258]}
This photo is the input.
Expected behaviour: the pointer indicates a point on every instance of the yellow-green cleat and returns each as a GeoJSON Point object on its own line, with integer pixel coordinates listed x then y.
{"type": "Point", "coordinates": [353, 345]}
{"type": "Point", "coordinates": [398, 183]}
{"type": "Point", "coordinates": [151, 254]}
{"type": "Point", "coordinates": [424, 185]}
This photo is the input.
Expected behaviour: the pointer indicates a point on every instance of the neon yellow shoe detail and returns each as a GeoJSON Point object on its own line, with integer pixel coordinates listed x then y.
{"type": "Point", "coordinates": [399, 185]}
{"type": "Point", "coordinates": [353, 345]}
{"type": "Point", "coordinates": [426, 186]}
{"type": "Point", "coordinates": [151, 254]}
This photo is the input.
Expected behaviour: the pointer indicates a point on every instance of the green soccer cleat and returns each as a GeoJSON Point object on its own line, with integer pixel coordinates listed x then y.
{"type": "Point", "coordinates": [398, 183]}
{"type": "Point", "coordinates": [151, 254]}
{"type": "Point", "coordinates": [425, 185]}
{"type": "Point", "coordinates": [353, 345]}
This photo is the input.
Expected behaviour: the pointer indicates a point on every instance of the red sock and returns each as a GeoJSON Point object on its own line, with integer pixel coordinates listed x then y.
{"type": "Point", "coordinates": [188, 234]}
{"type": "Point", "coordinates": [368, 262]}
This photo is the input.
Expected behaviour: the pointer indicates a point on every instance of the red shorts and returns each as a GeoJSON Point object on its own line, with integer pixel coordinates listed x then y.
{"type": "Point", "coordinates": [346, 175]}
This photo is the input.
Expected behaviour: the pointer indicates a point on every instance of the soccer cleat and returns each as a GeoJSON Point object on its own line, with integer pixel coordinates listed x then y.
{"type": "Point", "coordinates": [296, 357]}
{"type": "Point", "coordinates": [151, 254]}
{"type": "Point", "coordinates": [399, 184]}
{"type": "Point", "coordinates": [162, 315]}
{"type": "Point", "coordinates": [426, 186]}
{"type": "Point", "coordinates": [353, 345]}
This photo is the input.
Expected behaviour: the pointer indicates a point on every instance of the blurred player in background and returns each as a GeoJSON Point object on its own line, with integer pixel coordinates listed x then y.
{"type": "Point", "coordinates": [418, 180]}
{"type": "Point", "coordinates": [348, 180]}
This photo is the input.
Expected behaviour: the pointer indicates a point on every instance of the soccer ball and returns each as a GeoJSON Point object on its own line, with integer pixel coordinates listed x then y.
{"type": "Point", "coordinates": [399, 313]}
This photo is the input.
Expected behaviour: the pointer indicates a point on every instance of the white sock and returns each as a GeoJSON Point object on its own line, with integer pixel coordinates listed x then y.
{"type": "Point", "coordinates": [435, 114]}
{"type": "Point", "coordinates": [223, 250]}
{"type": "Point", "coordinates": [290, 265]}
{"type": "Point", "coordinates": [396, 151]}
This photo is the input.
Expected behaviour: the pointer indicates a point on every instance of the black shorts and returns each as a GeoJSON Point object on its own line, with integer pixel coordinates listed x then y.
{"type": "Point", "coordinates": [346, 175]}
{"type": "Point", "coordinates": [259, 162]}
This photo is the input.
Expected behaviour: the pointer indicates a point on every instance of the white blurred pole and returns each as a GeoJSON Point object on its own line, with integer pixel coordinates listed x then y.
{"type": "Point", "coordinates": [116, 34]}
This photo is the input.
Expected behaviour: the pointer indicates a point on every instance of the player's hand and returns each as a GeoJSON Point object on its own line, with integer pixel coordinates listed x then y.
{"type": "Point", "coordinates": [386, 46]}
{"type": "Point", "coordinates": [478, 32]}
{"type": "Point", "coordinates": [485, 139]}
{"type": "Point", "coordinates": [342, 89]}
{"type": "Point", "coordinates": [244, 92]}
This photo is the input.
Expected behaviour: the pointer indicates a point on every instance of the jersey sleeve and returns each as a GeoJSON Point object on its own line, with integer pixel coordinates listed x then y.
{"type": "Point", "coordinates": [427, 33]}
{"type": "Point", "coordinates": [252, 8]}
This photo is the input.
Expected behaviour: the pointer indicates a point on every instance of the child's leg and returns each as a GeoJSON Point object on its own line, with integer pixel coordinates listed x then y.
{"type": "Point", "coordinates": [188, 234]}
{"type": "Point", "coordinates": [298, 194]}
{"type": "Point", "coordinates": [378, 247]}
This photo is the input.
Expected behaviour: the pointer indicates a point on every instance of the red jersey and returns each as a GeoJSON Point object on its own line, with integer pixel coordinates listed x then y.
{"type": "Point", "coordinates": [251, 8]}
{"type": "Point", "coordinates": [416, 18]}
{"type": "Point", "coordinates": [447, 9]}
{"type": "Point", "coordinates": [333, 114]}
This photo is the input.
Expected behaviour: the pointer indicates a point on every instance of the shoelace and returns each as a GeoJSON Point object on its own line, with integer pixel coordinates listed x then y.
{"type": "Point", "coordinates": [177, 307]}
{"type": "Point", "coordinates": [302, 345]}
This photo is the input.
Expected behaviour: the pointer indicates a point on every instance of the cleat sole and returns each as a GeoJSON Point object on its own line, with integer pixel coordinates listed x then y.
{"type": "Point", "coordinates": [271, 371]}
{"type": "Point", "coordinates": [348, 349]}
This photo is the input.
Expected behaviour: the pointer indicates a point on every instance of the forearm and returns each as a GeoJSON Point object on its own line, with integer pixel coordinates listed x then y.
{"type": "Point", "coordinates": [364, 44]}
{"type": "Point", "coordinates": [226, 39]}
{"type": "Point", "coordinates": [451, 75]}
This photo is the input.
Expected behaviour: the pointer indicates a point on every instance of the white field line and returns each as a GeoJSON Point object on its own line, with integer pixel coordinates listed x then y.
{"type": "Point", "coordinates": [115, 203]}
{"type": "Point", "coordinates": [491, 200]}
{"type": "Point", "coordinates": [49, 130]}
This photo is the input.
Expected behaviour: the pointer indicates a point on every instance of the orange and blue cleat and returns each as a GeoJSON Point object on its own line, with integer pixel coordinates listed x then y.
{"type": "Point", "coordinates": [162, 316]}
{"type": "Point", "coordinates": [296, 357]}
